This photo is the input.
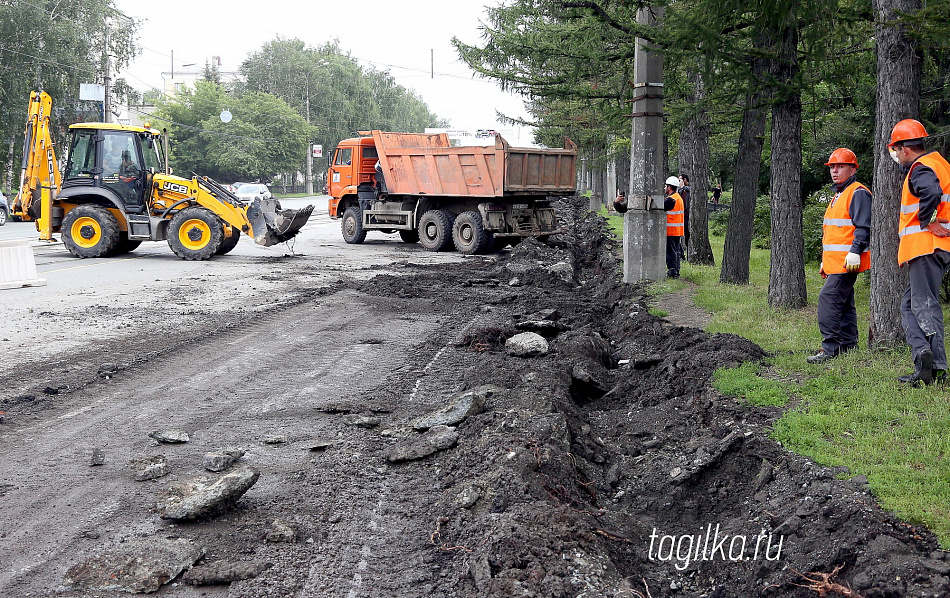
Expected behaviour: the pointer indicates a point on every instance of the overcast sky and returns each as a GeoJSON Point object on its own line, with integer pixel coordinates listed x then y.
{"type": "Point", "coordinates": [395, 35]}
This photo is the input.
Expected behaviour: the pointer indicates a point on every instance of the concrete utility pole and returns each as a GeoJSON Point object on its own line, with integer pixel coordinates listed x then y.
{"type": "Point", "coordinates": [644, 224]}
{"type": "Point", "coordinates": [107, 80]}
{"type": "Point", "coordinates": [309, 149]}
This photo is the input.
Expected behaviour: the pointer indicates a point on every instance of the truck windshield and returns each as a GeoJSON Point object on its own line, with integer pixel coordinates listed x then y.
{"type": "Point", "coordinates": [82, 155]}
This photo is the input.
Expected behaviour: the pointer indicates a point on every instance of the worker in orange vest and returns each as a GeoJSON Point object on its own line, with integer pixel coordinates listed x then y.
{"type": "Point", "coordinates": [675, 226]}
{"type": "Point", "coordinates": [845, 240]}
{"type": "Point", "coordinates": [924, 248]}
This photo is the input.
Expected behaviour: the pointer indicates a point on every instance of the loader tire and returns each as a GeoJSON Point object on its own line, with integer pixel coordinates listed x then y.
{"type": "Point", "coordinates": [90, 231]}
{"type": "Point", "coordinates": [409, 236]}
{"type": "Point", "coordinates": [435, 230]}
{"type": "Point", "coordinates": [195, 234]}
{"type": "Point", "coordinates": [229, 243]}
{"type": "Point", "coordinates": [353, 231]}
{"type": "Point", "coordinates": [469, 234]}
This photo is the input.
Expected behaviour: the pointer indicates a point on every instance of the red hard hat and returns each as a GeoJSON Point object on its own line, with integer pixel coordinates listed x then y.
{"type": "Point", "coordinates": [906, 130]}
{"type": "Point", "coordinates": [842, 155]}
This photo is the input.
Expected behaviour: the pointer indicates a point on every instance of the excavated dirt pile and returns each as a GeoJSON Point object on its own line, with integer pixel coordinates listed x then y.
{"type": "Point", "coordinates": [609, 466]}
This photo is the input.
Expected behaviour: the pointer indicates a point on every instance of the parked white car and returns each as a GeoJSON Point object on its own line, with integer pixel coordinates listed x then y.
{"type": "Point", "coordinates": [248, 192]}
{"type": "Point", "coordinates": [4, 209]}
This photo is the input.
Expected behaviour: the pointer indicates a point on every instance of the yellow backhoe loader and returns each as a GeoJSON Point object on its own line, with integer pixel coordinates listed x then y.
{"type": "Point", "coordinates": [118, 191]}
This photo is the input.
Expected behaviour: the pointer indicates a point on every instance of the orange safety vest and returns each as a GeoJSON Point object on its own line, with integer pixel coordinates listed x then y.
{"type": "Point", "coordinates": [675, 217]}
{"type": "Point", "coordinates": [837, 232]}
{"type": "Point", "coordinates": [916, 240]}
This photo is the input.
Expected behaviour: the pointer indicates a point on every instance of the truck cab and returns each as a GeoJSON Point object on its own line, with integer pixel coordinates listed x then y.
{"type": "Point", "coordinates": [352, 169]}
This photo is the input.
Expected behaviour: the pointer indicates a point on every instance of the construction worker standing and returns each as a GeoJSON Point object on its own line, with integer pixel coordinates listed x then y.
{"type": "Point", "coordinates": [675, 216]}
{"type": "Point", "coordinates": [845, 238]}
{"type": "Point", "coordinates": [924, 248]}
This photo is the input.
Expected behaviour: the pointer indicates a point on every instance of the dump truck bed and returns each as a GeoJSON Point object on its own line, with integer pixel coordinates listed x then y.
{"type": "Point", "coordinates": [424, 164]}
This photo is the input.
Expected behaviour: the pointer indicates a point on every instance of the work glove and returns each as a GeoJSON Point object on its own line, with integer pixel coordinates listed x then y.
{"type": "Point", "coordinates": [821, 270]}
{"type": "Point", "coordinates": [938, 229]}
{"type": "Point", "coordinates": [852, 261]}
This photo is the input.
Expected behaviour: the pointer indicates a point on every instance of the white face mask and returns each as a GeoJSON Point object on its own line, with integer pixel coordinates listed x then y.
{"type": "Point", "coordinates": [893, 152]}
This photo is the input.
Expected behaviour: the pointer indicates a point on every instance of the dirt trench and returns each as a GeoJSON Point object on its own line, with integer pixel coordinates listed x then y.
{"type": "Point", "coordinates": [610, 467]}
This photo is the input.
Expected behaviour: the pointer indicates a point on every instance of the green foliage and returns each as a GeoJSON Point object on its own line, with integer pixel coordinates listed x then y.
{"type": "Point", "coordinates": [812, 218]}
{"type": "Point", "coordinates": [264, 137]}
{"type": "Point", "coordinates": [269, 133]}
{"type": "Point", "coordinates": [330, 89]}
{"type": "Point", "coordinates": [55, 46]}
{"type": "Point", "coordinates": [574, 63]}
{"type": "Point", "coordinates": [762, 224]}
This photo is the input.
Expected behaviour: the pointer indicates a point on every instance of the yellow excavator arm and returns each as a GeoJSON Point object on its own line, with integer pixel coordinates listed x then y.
{"type": "Point", "coordinates": [40, 179]}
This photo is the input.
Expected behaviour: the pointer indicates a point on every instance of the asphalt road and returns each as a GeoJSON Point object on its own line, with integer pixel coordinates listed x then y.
{"type": "Point", "coordinates": [230, 349]}
{"type": "Point", "coordinates": [95, 299]}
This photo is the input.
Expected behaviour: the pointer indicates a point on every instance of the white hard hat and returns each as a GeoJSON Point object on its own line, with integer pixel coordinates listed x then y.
{"type": "Point", "coordinates": [673, 181]}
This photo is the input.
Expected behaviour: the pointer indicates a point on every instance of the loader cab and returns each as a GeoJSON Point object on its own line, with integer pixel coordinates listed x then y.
{"type": "Point", "coordinates": [116, 161]}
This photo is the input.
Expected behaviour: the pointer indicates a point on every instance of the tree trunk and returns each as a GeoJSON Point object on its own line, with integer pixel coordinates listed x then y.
{"type": "Point", "coordinates": [738, 245]}
{"type": "Point", "coordinates": [696, 158]}
{"type": "Point", "coordinates": [898, 97]}
{"type": "Point", "coordinates": [787, 267]}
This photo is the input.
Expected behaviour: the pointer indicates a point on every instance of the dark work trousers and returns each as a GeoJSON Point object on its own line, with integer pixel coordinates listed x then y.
{"type": "Point", "coordinates": [837, 316]}
{"type": "Point", "coordinates": [921, 314]}
{"type": "Point", "coordinates": [673, 249]}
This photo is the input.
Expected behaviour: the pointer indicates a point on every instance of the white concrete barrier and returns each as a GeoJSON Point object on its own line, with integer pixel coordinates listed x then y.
{"type": "Point", "coordinates": [17, 265]}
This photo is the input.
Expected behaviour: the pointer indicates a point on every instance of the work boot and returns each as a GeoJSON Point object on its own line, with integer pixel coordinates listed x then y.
{"type": "Point", "coordinates": [923, 370]}
{"type": "Point", "coordinates": [819, 357]}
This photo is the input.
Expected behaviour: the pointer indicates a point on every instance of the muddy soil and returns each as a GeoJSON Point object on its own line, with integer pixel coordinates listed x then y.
{"type": "Point", "coordinates": [606, 467]}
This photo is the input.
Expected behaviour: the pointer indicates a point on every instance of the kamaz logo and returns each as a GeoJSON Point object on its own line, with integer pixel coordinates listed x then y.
{"type": "Point", "coordinates": [175, 187]}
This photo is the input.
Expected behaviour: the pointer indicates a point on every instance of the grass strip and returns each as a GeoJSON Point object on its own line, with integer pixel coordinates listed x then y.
{"type": "Point", "coordinates": [850, 411]}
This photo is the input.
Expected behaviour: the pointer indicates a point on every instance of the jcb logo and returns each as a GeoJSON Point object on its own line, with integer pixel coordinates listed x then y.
{"type": "Point", "coordinates": [174, 187]}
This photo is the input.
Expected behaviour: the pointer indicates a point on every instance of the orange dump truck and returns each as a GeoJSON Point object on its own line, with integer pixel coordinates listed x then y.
{"type": "Point", "coordinates": [477, 198]}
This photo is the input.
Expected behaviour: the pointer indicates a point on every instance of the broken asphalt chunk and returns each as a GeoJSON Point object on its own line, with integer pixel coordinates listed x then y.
{"type": "Point", "coordinates": [150, 468]}
{"type": "Point", "coordinates": [173, 436]}
{"type": "Point", "coordinates": [199, 497]}
{"type": "Point", "coordinates": [98, 457]}
{"type": "Point", "coordinates": [527, 344]}
{"type": "Point", "coordinates": [436, 439]}
{"type": "Point", "coordinates": [317, 446]}
{"type": "Point", "coordinates": [280, 531]}
{"type": "Point", "coordinates": [222, 459]}
{"type": "Point", "coordinates": [141, 567]}
{"type": "Point", "coordinates": [464, 404]}
{"type": "Point", "coordinates": [361, 420]}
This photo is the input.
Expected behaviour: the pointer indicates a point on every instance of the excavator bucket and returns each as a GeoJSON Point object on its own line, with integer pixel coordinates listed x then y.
{"type": "Point", "coordinates": [272, 226]}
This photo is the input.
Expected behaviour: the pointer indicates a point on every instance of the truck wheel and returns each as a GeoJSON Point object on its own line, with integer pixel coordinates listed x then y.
{"type": "Point", "coordinates": [469, 234]}
{"type": "Point", "coordinates": [435, 230]}
{"type": "Point", "coordinates": [90, 231]}
{"type": "Point", "coordinates": [409, 236]}
{"type": "Point", "coordinates": [229, 243]}
{"type": "Point", "coordinates": [353, 231]}
{"type": "Point", "coordinates": [195, 234]}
